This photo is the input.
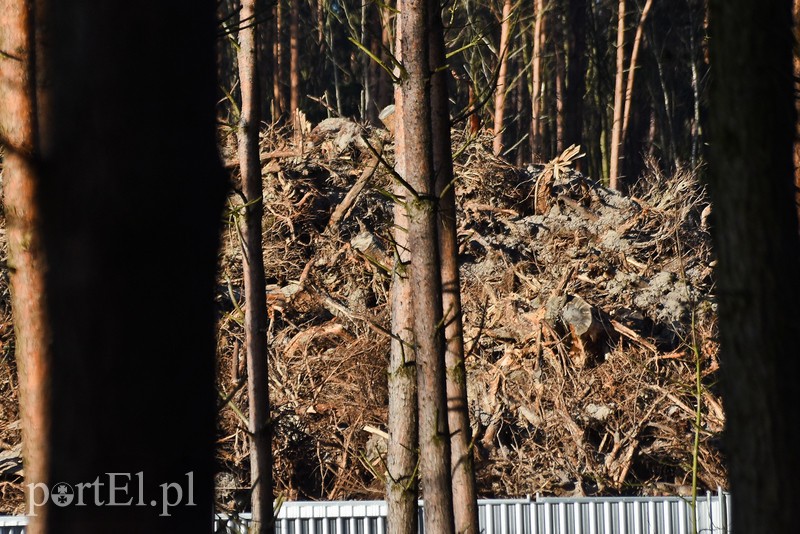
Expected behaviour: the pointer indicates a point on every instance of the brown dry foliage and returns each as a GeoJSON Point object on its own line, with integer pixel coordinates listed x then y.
{"type": "Point", "coordinates": [555, 410]}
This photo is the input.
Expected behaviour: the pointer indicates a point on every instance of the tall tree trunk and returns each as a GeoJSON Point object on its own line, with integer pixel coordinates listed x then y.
{"type": "Point", "coordinates": [27, 262]}
{"type": "Point", "coordinates": [796, 66]}
{"type": "Point", "coordinates": [434, 436]}
{"type": "Point", "coordinates": [366, 94]}
{"type": "Point", "coordinates": [520, 104]}
{"type": "Point", "coordinates": [280, 104]}
{"type": "Point", "coordinates": [294, 57]}
{"type": "Point", "coordinates": [401, 456]}
{"type": "Point", "coordinates": [619, 84]}
{"type": "Point", "coordinates": [559, 97]}
{"type": "Point", "coordinates": [633, 65]}
{"type": "Point", "coordinates": [98, 176]}
{"type": "Point", "coordinates": [751, 177]}
{"type": "Point", "coordinates": [576, 75]}
{"type": "Point", "coordinates": [501, 89]}
{"type": "Point", "coordinates": [378, 94]}
{"type": "Point", "coordinates": [465, 500]}
{"type": "Point", "coordinates": [255, 321]}
{"type": "Point", "coordinates": [536, 82]}
{"type": "Point", "coordinates": [474, 119]}
{"type": "Point", "coordinates": [265, 38]}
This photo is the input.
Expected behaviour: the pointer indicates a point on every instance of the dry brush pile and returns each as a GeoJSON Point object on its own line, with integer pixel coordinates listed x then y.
{"type": "Point", "coordinates": [583, 310]}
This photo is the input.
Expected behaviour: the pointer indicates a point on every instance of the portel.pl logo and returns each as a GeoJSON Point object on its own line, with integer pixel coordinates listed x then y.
{"type": "Point", "coordinates": [113, 489]}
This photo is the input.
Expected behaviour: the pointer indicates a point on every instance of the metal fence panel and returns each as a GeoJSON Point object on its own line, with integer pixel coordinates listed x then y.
{"type": "Point", "coordinates": [542, 515]}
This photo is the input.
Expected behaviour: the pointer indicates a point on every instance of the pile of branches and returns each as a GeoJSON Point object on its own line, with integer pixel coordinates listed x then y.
{"type": "Point", "coordinates": [588, 319]}
{"type": "Point", "coordinates": [587, 316]}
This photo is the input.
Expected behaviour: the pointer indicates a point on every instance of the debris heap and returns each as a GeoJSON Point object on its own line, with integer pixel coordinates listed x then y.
{"type": "Point", "coordinates": [588, 316]}
{"type": "Point", "coordinates": [589, 320]}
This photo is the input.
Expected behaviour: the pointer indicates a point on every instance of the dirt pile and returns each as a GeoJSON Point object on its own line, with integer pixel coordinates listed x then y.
{"type": "Point", "coordinates": [582, 310]}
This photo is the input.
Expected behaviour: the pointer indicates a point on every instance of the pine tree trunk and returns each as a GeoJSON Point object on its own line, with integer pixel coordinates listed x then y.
{"type": "Point", "coordinates": [751, 177]}
{"type": "Point", "coordinates": [254, 283]}
{"type": "Point", "coordinates": [280, 104]}
{"type": "Point", "coordinates": [434, 437]}
{"type": "Point", "coordinates": [619, 84]}
{"type": "Point", "coordinates": [465, 500]}
{"type": "Point", "coordinates": [501, 89]}
{"type": "Point", "coordinates": [117, 399]}
{"type": "Point", "coordinates": [294, 57]}
{"type": "Point", "coordinates": [637, 41]}
{"type": "Point", "coordinates": [796, 65]}
{"type": "Point", "coordinates": [536, 82]}
{"type": "Point", "coordinates": [27, 261]}
{"type": "Point", "coordinates": [560, 90]}
{"type": "Point", "coordinates": [401, 456]}
{"type": "Point", "coordinates": [576, 75]}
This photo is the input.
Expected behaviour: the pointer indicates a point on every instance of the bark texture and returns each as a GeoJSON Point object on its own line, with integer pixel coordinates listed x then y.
{"type": "Point", "coordinates": [500, 90]}
{"type": "Point", "coordinates": [26, 256]}
{"type": "Point", "coordinates": [536, 81]}
{"type": "Point", "coordinates": [129, 213]}
{"type": "Point", "coordinates": [425, 278]}
{"type": "Point", "coordinates": [752, 128]}
{"type": "Point", "coordinates": [619, 84]}
{"type": "Point", "coordinates": [465, 500]}
{"type": "Point", "coordinates": [634, 64]}
{"type": "Point", "coordinates": [255, 320]}
{"type": "Point", "coordinates": [402, 454]}
{"type": "Point", "coordinates": [294, 56]}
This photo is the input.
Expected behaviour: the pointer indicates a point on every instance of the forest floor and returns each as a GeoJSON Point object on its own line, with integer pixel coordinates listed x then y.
{"type": "Point", "coordinates": [588, 316]}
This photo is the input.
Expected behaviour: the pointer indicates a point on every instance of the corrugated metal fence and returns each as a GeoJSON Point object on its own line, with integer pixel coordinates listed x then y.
{"type": "Point", "coordinates": [542, 515]}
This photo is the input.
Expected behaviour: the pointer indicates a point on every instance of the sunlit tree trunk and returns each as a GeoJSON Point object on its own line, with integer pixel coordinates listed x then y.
{"type": "Point", "coordinates": [254, 283]}
{"type": "Point", "coordinates": [27, 261]}
{"type": "Point", "coordinates": [560, 90]}
{"type": "Point", "coordinates": [294, 56]}
{"type": "Point", "coordinates": [796, 64]}
{"type": "Point", "coordinates": [751, 176]}
{"type": "Point", "coordinates": [501, 89]}
{"type": "Point", "coordinates": [536, 81]}
{"type": "Point", "coordinates": [422, 206]}
{"type": "Point", "coordinates": [619, 84]}
{"type": "Point", "coordinates": [402, 457]}
{"type": "Point", "coordinates": [632, 66]}
{"type": "Point", "coordinates": [465, 503]}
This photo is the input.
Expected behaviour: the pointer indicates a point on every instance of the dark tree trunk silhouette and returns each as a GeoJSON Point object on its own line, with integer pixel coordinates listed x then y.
{"type": "Point", "coordinates": [752, 131]}
{"type": "Point", "coordinates": [434, 437]}
{"type": "Point", "coordinates": [255, 320]}
{"type": "Point", "coordinates": [280, 99]}
{"type": "Point", "coordinates": [576, 74]}
{"type": "Point", "coordinates": [129, 214]}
